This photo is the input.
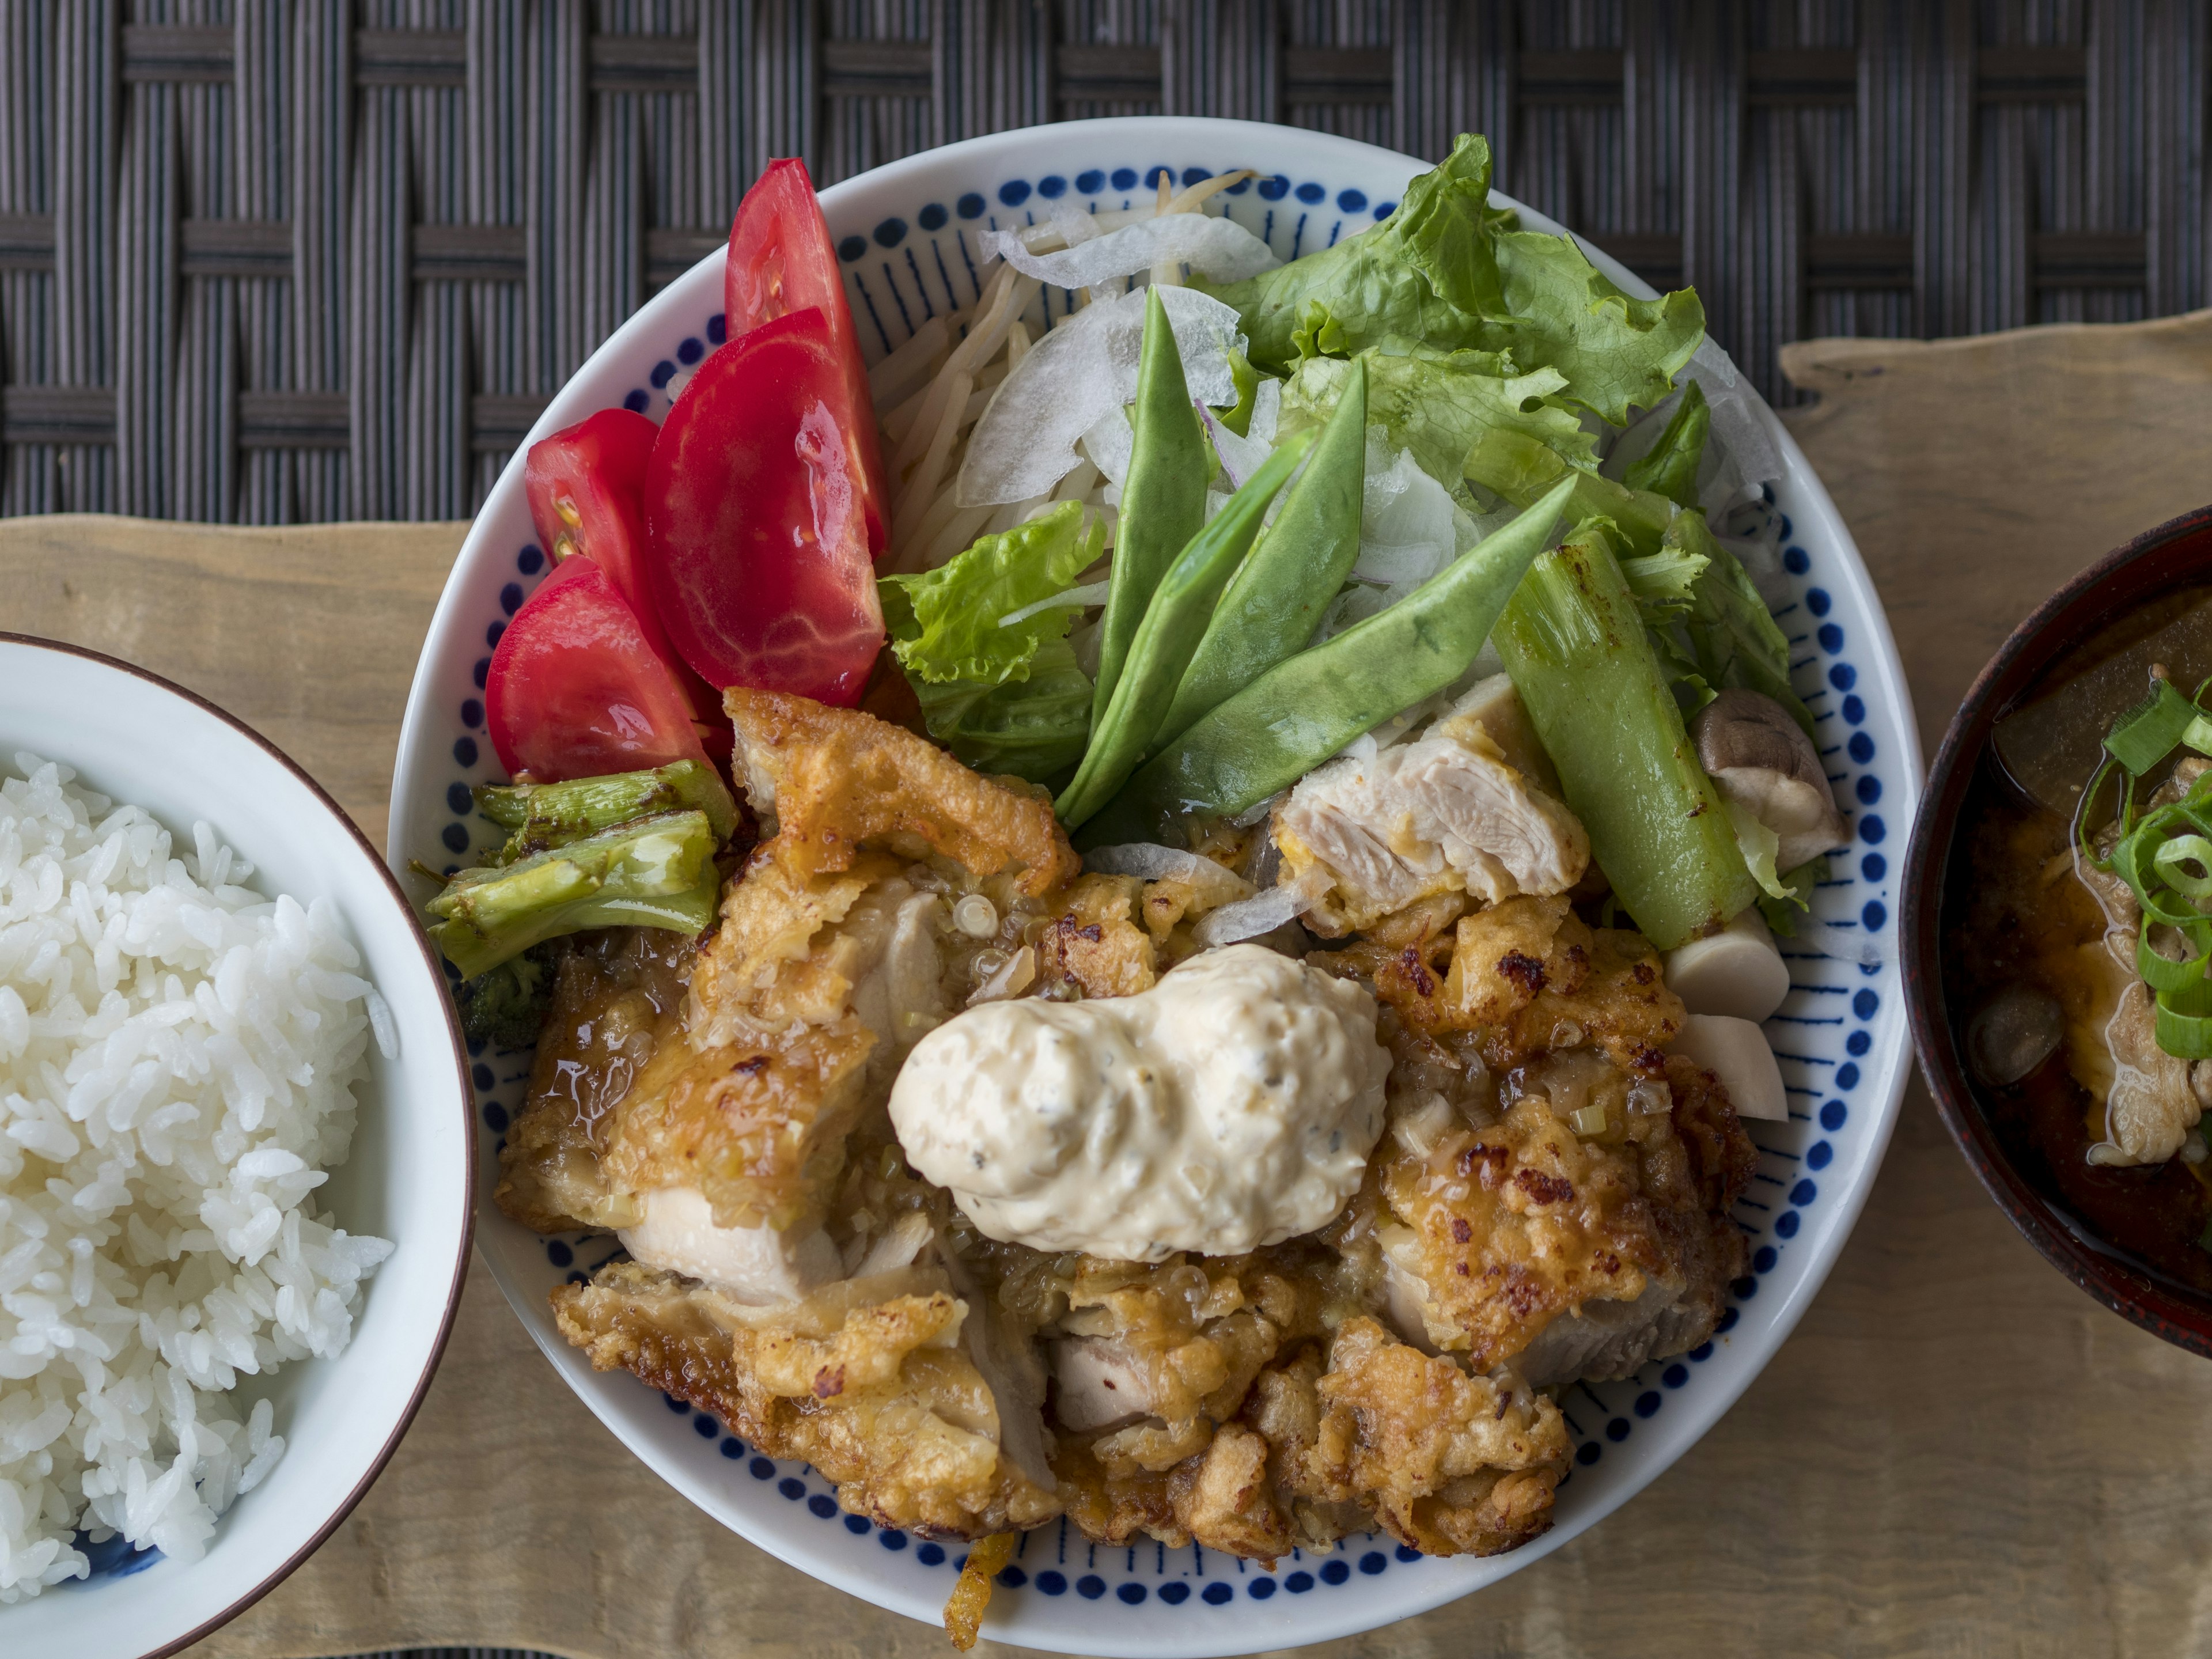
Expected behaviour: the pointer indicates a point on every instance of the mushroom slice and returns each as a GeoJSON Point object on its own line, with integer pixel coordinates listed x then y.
{"type": "Point", "coordinates": [1761, 760]}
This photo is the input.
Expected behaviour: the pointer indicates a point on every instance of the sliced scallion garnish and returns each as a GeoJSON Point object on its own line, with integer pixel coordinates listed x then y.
{"type": "Point", "coordinates": [2149, 732]}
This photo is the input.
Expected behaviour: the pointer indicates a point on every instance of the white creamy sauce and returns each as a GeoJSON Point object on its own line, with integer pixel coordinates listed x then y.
{"type": "Point", "coordinates": [1230, 1106]}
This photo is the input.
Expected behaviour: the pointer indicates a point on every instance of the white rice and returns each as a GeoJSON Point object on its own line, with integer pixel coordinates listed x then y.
{"type": "Point", "coordinates": [177, 1061]}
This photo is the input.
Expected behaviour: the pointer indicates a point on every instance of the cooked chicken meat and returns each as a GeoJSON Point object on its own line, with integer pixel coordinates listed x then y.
{"type": "Point", "coordinates": [868, 1380]}
{"type": "Point", "coordinates": [1547, 1156]}
{"type": "Point", "coordinates": [730, 1114]}
{"type": "Point", "coordinates": [1443, 813]}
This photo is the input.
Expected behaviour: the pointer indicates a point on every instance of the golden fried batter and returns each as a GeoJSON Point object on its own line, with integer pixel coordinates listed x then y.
{"type": "Point", "coordinates": [1091, 944]}
{"type": "Point", "coordinates": [1528, 974]}
{"type": "Point", "coordinates": [755, 1126]}
{"type": "Point", "coordinates": [1449, 1464]}
{"type": "Point", "coordinates": [863, 1380]}
{"type": "Point", "coordinates": [1545, 1158]}
{"type": "Point", "coordinates": [1512, 1223]}
{"type": "Point", "coordinates": [616, 1017]}
{"type": "Point", "coordinates": [834, 779]}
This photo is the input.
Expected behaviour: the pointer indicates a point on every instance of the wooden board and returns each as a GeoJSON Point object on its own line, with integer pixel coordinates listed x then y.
{"type": "Point", "coordinates": [1957, 1453]}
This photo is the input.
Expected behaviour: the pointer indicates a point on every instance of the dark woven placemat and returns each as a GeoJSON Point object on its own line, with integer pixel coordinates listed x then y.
{"type": "Point", "coordinates": [274, 262]}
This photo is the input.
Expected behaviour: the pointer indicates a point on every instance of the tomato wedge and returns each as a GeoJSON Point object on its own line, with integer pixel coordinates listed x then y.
{"type": "Point", "coordinates": [587, 489]}
{"type": "Point", "coordinates": [587, 485]}
{"type": "Point", "coordinates": [780, 261]}
{"type": "Point", "coordinates": [577, 691]}
{"type": "Point", "coordinates": [757, 554]}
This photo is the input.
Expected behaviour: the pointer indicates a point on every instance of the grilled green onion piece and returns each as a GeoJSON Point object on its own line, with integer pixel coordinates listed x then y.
{"type": "Point", "coordinates": [654, 872]}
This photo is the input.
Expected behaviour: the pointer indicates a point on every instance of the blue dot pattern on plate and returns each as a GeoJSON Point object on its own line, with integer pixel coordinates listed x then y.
{"type": "Point", "coordinates": [906, 267]}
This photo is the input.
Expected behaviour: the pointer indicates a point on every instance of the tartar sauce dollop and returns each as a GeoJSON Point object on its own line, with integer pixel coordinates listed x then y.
{"type": "Point", "coordinates": [1232, 1105]}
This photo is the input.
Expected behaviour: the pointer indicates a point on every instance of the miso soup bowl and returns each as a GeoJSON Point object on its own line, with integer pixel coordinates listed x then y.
{"type": "Point", "coordinates": [2173, 555]}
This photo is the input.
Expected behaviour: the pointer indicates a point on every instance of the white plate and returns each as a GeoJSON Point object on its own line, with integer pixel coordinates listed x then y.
{"type": "Point", "coordinates": [140, 739]}
{"type": "Point", "coordinates": [905, 237]}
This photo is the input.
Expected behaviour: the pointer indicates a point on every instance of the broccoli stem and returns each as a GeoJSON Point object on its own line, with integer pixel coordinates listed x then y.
{"type": "Point", "coordinates": [542, 816]}
{"type": "Point", "coordinates": [657, 871]}
{"type": "Point", "coordinates": [1575, 647]}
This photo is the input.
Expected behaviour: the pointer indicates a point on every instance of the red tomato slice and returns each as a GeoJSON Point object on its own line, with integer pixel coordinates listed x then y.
{"type": "Point", "coordinates": [576, 690]}
{"type": "Point", "coordinates": [587, 489]}
{"type": "Point", "coordinates": [758, 555]}
{"type": "Point", "coordinates": [780, 261]}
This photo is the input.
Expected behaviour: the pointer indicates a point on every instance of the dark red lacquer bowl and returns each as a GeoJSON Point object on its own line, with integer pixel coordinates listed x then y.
{"type": "Point", "coordinates": [2173, 555]}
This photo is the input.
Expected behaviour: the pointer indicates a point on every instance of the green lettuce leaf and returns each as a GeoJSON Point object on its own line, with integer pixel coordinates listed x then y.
{"type": "Point", "coordinates": [1669, 467]}
{"type": "Point", "coordinates": [945, 623]}
{"type": "Point", "coordinates": [1441, 405]}
{"type": "Point", "coordinates": [1798, 885]}
{"type": "Point", "coordinates": [1758, 845]}
{"type": "Point", "coordinates": [1429, 271]}
{"type": "Point", "coordinates": [1520, 468]}
{"type": "Point", "coordinates": [1616, 353]}
{"type": "Point", "coordinates": [1035, 727]}
{"type": "Point", "coordinates": [1447, 271]}
{"type": "Point", "coordinates": [1246, 380]}
{"type": "Point", "coordinates": [1731, 635]}
{"type": "Point", "coordinates": [1664, 583]}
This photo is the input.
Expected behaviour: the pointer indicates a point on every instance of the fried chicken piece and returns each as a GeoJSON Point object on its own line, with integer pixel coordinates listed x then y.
{"type": "Point", "coordinates": [1529, 975]}
{"type": "Point", "coordinates": [1224, 1498]}
{"type": "Point", "coordinates": [755, 1126]}
{"type": "Point", "coordinates": [1449, 1464]}
{"type": "Point", "coordinates": [616, 1017]}
{"type": "Point", "coordinates": [830, 780]}
{"type": "Point", "coordinates": [1445, 813]}
{"type": "Point", "coordinates": [1149, 1361]}
{"type": "Point", "coordinates": [866, 1380]}
{"type": "Point", "coordinates": [1691, 1179]}
{"type": "Point", "coordinates": [1570, 1254]}
{"type": "Point", "coordinates": [759, 961]}
{"type": "Point", "coordinates": [1092, 945]}
{"type": "Point", "coordinates": [1505, 1227]}
{"type": "Point", "coordinates": [1172, 1345]}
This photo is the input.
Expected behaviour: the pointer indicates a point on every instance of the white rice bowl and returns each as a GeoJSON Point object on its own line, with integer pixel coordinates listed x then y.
{"type": "Point", "coordinates": [178, 1059]}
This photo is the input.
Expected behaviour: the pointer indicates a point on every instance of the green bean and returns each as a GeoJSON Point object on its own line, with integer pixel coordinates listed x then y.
{"type": "Point", "coordinates": [1173, 623]}
{"type": "Point", "coordinates": [1275, 602]}
{"type": "Point", "coordinates": [1162, 501]}
{"type": "Point", "coordinates": [1308, 707]}
{"type": "Point", "coordinates": [1575, 644]}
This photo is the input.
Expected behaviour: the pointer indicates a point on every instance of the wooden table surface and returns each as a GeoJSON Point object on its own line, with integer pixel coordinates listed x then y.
{"type": "Point", "coordinates": [1958, 1453]}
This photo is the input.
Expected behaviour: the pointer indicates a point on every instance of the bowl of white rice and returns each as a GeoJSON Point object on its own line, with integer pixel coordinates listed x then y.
{"type": "Point", "coordinates": [235, 1162]}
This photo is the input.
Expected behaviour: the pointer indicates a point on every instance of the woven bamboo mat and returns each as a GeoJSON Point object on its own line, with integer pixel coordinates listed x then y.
{"type": "Point", "coordinates": [275, 261]}
{"type": "Point", "coordinates": [1957, 1453]}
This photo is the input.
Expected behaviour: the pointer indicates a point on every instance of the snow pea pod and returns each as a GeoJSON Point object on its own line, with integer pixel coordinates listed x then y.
{"type": "Point", "coordinates": [1174, 621]}
{"type": "Point", "coordinates": [1163, 500]}
{"type": "Point", "coordinates": [1274, 602]}
{"type": "Point", "coordinates": [1308, 707]}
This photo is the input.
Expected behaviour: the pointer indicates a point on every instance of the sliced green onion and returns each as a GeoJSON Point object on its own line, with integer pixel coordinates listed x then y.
{"type": "Point", "coordinates": [2087, 806]}
{"type": "Point", "coordinates": [2148, 734]}
{"type": "Point", "coordinates": [2164, 974]}
{"type": "Point", "coordinates": [2174, 859]}
{"type": "Point", "coordinates": [2185, 1036]}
